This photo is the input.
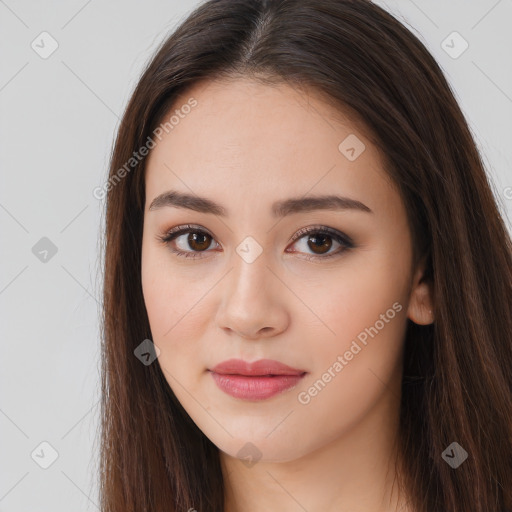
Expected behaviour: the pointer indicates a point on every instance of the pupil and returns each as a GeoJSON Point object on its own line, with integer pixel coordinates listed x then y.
{"type": "Point", "coordinates": [322, 240]}
{"type": "Point", "coordinates": [194, 239]}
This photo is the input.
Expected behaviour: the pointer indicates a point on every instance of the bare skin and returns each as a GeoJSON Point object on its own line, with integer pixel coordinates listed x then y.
{"type": "Point", "coordinates": [245, 146]}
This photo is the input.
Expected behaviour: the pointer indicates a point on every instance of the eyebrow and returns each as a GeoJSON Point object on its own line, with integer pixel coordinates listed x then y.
{"type": "Point", "coordinates": [280, 208]}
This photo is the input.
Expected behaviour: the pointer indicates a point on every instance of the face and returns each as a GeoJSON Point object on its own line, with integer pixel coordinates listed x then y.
{"type": "Point", "coordinates": [322, 286]}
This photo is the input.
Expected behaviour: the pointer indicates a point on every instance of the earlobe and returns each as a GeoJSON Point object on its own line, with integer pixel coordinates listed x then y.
{"type": "Point", "coordinates": [421, 305]}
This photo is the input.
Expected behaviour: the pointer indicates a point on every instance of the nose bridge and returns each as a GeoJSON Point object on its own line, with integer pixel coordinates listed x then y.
{"type": "Point", "coordinates": [250, 305]}
{"type": "Point", "coordinates": [249, 279]}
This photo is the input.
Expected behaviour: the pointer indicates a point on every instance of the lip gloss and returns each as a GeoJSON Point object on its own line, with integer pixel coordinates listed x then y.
{"type": "Point", "coordinates": [250, 387]}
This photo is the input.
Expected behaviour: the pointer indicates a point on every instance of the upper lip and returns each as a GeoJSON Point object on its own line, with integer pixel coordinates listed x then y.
{"type": "Point", "coordinates": [256, 368]}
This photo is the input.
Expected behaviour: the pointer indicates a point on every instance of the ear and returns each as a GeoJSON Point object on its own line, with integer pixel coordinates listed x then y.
{"type": "Point", "coordinates": [421, 304]}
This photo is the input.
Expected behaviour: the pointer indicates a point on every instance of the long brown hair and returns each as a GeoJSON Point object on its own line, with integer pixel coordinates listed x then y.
{"type": "Point", "coordinates": [457, 383]}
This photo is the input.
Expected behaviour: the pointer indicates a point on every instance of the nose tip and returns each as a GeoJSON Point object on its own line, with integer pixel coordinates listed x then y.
{"type": "Point", "coordinates": [252, 306]}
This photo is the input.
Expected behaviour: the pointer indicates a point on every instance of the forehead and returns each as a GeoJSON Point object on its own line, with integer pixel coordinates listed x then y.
{"type": "Point", "coordinates": [261, 142]}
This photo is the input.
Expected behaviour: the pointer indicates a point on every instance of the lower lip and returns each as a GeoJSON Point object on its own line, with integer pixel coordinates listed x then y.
{"type": "Point", "coordinates": [255, 388]}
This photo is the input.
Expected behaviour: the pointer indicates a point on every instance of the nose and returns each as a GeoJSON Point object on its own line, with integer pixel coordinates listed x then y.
{"type": "Point", "coordinates": [253, 302]}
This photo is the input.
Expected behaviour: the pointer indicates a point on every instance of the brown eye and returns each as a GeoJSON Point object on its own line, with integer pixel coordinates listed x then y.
{"type": "Point", "coordinates": [199, 241]}
{"type": "Point", "coordinates": [319, 243]}
{"type": "Point", "coordinates": [316, 242]}
{"type": "Point", "coordinates": [187, 241]}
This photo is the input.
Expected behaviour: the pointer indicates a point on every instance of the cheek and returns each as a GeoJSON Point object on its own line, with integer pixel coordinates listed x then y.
{"type": "Point", "coordinates": [168, 291]}
{"type": "Point", "coordinates": [353, 297]}
{"type": "Point", "coordinates": [354, 367]}
{"type": "Point", "coordinates": [174, 325]}
{"type": "Point", "coordinates": [174, 313]}
{"type": "Point", "coordinates": [363, 309]}
{"type": "Point", "coordinates": [159, 293]}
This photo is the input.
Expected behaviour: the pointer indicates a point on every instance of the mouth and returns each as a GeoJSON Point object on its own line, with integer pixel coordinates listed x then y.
{"type": "Point", "coordinates": [256, 381]}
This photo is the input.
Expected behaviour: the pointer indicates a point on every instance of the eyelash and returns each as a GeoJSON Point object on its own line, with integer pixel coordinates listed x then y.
{"type": "Point", "coordinates": [344, 240]}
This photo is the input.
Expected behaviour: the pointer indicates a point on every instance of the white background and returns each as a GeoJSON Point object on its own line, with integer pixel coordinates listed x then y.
{"type": "Point", "coordinates": [57, 123]}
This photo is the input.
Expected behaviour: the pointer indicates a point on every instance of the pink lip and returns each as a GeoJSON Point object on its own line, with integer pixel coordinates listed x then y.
{"type": "Point", "coordinates": [255, 381]}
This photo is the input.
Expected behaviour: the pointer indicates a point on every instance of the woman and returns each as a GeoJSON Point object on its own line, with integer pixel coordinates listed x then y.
{"type": "Point", "coordinates": [308, 283]}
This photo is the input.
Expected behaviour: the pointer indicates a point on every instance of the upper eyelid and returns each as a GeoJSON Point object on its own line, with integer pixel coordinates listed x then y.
{"type": "Point", "coordinates": [196, 227]}
{"type": "Point", "coordinates": [322, 229]}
